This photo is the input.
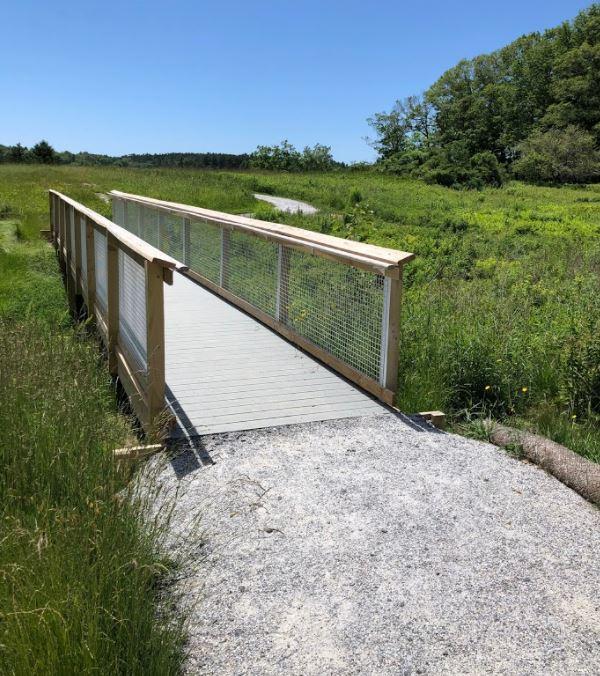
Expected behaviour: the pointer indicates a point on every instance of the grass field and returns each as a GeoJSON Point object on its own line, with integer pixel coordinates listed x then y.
{"type": "Point", "coordinates": [501, 310]}
{"type": "Point", "coordinates": [80, 577]}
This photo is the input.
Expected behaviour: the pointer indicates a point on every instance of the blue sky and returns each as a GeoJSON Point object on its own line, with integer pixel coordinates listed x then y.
{"type": "Point", "coordinates": [226, 76]}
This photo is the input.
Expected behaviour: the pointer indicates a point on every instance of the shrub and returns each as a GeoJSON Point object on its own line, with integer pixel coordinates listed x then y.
{"type": "Point", "coordinates": [43, 152]}
{"type": "Point", "coordinates": [558, 156]}
{"type": "Point", "coordinates": [486, 170]}
{"type": "Point", "coordinates": [453, 167]}
{"type": "Point", "coordinates": [285, 157]}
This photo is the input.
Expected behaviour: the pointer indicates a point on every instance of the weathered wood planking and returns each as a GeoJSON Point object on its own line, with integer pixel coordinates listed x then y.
{"type": "Point", "coordinates": [227, 372]}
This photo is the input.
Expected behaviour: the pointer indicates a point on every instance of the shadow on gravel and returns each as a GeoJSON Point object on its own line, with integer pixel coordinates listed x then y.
{"type": "Point", "coordinates": [187, 448]}
{"type": "Point", "coordinates": [417, 423]}
{"type": "Point", "coordinates": [188, 454]}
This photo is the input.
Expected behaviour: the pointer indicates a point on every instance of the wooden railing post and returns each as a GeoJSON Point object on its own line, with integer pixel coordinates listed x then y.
{"type": "Point", "coordinates": [90, 252]}
{"type": "Point", "coordinates": [155, 340]}
{"type": "Point", "coordinates": [69, 252]}
{"type": "Point", "coordinates": [77, 250]}
{"type": "Point", "coordinates": [112, 313]}
{"type": "Point", "coordinates": [52, 218]}
{"type": "Point", "coordinates": [62, 207]}
{"type": "Point", "coordinates": [390, 333]}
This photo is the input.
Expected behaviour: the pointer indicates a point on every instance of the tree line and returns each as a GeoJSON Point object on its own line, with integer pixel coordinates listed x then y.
{"type": "Point", "coordinates": [286, 157]}
{"type": "Point", "coordinates": [44, 153]}
{"type": "Point", "coordinates": [281, 157]}
{"type": "Point", "coordinates": [530, 110]}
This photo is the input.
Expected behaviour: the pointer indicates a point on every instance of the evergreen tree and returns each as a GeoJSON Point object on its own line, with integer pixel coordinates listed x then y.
{"type": "Point", "coordinates": [43, 152]}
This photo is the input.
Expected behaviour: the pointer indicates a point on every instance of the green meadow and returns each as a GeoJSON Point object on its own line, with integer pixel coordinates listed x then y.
{"type": "Point", "coordinates": [501, 307]}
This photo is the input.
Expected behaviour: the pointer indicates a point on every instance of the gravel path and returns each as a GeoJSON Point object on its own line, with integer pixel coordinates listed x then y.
{"type": "Point", "coordinates": [286, 204]}
{"type": "Point", "coordinates": [380, 546]}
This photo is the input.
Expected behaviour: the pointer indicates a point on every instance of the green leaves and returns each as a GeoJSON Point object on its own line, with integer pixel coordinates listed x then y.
{"type": "Point", "coordinates": [473, 123]}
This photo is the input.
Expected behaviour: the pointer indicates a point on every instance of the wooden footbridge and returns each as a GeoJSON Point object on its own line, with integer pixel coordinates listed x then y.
{"type": "Point", "coordinates": [220, 323]}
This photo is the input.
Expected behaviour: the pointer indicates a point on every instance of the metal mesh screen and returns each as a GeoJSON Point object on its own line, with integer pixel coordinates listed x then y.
{"type": "Point", "coordinates": [131, 217]}
{"type": "Point", "coordinates": [171, 235]}
{"type": "Point", "coordinates": [149, 226]}
{"type": "Point", "coordinates": [101, 260]}
{"type": "Point", "coordinates": [205, 250]}
{"type": "Point", "coordinates": [118, 208]}
{"type": "Point", "coordinates": [250, 270]}
{"type": "Point", "coordinates": [83, 251]}
{"type": "Point", "coordinates": [335, 306]}
{"type": "Point", "coordinates": [132, 309]}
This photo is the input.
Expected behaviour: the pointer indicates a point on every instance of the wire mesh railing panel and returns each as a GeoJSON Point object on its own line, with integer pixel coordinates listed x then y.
{"type": "Point", "coordinates": [131, 217]}
{"type": "Point", "coordinates": [118, 212]}
{"type": "Point", "coordinates": [250, 270]}
{"type": "Point", "coordinates": [101, 261]}
{"type": "Point", "coordinates": [149, 226]}
{"type": "Point", "coordinates": [171, 231]}
{"type": "Point", "coordinates": [205, 250]}
{"type": "Point", "coordinates": [83, 251]}
{"type": "Point", "coordinates": [132, 309]}
{"type": "Point", "coordinates": [337, 307]}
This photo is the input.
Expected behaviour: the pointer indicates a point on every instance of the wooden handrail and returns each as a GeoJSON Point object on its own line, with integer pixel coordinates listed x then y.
{"type": "Point", "coordinates": [130, 243]}
{"type": "Point", "coordinates": [146, 389]}
{"type": "Point", "coordinates": [370, 257]}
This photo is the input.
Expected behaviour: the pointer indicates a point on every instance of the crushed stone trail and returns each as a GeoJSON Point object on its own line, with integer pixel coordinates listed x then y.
{"type": "Point", "coordinates": [287, 204]}
{"type": "Point", "coordinates": [379, 545]}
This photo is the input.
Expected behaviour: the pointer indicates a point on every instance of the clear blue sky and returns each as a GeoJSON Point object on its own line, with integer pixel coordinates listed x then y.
{"type": "Point", "coordinates": [223, 75]}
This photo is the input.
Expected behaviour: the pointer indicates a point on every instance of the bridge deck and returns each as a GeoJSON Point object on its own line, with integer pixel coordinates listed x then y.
{"type": "Point", "coordinates": [227, 372]}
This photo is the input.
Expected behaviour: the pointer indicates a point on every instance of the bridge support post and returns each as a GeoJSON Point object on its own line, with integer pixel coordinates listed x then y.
{"type": "Point", "coordinates": [77, 251]}
{"type": "Point", "coordinates": [390, 333]}
{"type": "Point", "coordinates": [90, 251]}
{"type": "Point", "coordinates": [112, 313]}
{"type": "Point", "coordinates": [52, 217]}
{"type": "Point", "coordinates": [155, 341]}
{"type": "Point", "coordinates": [70, 275]}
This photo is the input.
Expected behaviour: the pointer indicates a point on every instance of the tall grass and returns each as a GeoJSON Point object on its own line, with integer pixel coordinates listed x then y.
{"type": "Point", "coordinates": [79, 572]}
{"type": "Point", "coordinates": [78, 568]}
